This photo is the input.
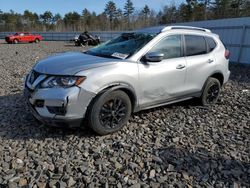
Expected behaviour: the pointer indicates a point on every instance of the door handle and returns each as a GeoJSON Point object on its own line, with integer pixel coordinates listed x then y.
{"type": "Point", "coordinates": [210, 61]}
{"type": "Point", "coordinates": [180, 66]}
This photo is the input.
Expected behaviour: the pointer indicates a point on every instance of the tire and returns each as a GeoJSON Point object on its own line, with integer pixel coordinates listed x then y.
{"type": "Point", "coordinates": [211, 92]}
{"type": "Point", "coordinates": [37, 40]}
{"type": "Point", "coordinates": [15, 41]}
{"type": "Point", "coordinates": [104, 117]}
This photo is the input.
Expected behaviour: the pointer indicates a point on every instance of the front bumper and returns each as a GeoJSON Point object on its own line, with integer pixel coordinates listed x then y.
{"type": "Point", "coordinates": [59, 106]}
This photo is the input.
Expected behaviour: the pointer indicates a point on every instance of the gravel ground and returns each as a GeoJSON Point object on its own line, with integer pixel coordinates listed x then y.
{"type": "Point", "coordinates": [182, 145]}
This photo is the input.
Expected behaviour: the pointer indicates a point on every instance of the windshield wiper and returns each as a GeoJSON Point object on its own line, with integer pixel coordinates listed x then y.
{"type": "Point", "coordinates": [100, 55]}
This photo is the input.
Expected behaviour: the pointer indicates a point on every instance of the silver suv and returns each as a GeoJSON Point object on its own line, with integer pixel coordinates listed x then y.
{"type": "Point", "coordinates": [135, 71]}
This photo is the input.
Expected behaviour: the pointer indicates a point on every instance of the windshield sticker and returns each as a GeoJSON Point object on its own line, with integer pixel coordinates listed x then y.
{"type": "Point", "coordinates": [120, 55]}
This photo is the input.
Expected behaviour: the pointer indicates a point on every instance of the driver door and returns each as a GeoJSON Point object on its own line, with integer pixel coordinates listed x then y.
{"type": "Point", "coordinates": [26, 37]}
{"type": "Point", "coordinates": [164, 80]}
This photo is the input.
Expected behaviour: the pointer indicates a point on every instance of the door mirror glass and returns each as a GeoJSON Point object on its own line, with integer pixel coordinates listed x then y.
{"type": "Point", "coordinates": [154, 57]}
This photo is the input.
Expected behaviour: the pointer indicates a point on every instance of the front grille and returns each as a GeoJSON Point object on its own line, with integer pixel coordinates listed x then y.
{"type": "Point", "coordinates": [34, 75]}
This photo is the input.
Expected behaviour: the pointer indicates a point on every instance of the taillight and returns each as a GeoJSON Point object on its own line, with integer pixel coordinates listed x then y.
{"type": "Point", "coordinates": [227, 54]}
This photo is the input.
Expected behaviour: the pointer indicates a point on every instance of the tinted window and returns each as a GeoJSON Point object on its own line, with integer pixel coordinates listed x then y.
{"type": "Point", "coordinates": [211, 44]}
{"type": "Point", "coordinates": [170, 47]}
{"type": "Point", "coordinates": [195, 45]}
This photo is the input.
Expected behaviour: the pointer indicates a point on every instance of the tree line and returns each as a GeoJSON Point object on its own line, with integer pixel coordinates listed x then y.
{"type": "Point", "coordinates": [128, 18]}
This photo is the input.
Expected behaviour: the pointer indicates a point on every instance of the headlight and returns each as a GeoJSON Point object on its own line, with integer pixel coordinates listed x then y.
{"type": "Point", "coordinates": [63, 81]}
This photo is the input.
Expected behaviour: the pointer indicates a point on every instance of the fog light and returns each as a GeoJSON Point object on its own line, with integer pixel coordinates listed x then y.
{"type": "Point", "coordinates": [57, 110]}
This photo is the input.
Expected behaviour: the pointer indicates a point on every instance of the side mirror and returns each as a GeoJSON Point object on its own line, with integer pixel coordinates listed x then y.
{"type": "Point", "coordinates": [154, 57]}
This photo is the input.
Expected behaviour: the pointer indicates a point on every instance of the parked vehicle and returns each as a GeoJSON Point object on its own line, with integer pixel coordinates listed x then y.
{"type": "Point", "coordinates": [86, 39]}
{"type": "Point", "coordinates": [136, 71]}
{"type": "Point", "coordinates": [23, 37]}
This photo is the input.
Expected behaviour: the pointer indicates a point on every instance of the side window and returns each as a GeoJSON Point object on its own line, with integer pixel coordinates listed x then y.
{"type": "Point", "coordinates": [195, 45]}
{"type": "Point", "coordinates": [169, 46]}
{"type": "Point", "coordinates": [211, 44]}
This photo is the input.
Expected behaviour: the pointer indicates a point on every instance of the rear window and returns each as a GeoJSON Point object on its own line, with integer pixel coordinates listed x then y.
{"type": "Point", "coordinates": [195, 45]}
{"type": "Point", "coordinates": [211, 44]}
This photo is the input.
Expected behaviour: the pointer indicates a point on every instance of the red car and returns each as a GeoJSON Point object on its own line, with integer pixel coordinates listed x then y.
{"type": "Point", "coordinates": [23, 37]}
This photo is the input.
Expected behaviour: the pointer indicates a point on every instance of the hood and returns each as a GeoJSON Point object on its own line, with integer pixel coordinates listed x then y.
{"type": "Point", "coordinates": [70, 63]}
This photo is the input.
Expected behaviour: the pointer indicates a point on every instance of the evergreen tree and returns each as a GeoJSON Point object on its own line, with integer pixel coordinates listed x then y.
{"type": "Point", "coordinates": [113, 18]}
{"type": "Point", "coordinates": [146, 11]}
{"type": "Point", "coordinates": [185, 13]}
{"type": "Point", "coordinates": [128, 11]}
{"type": "Point", "coordinates": [86, 19]}
{"type": "Point", "coordinates": [111, 12]}
{"type": "Point", "coordinates": [57, 17]}
{"type": "Point", "coordinates": [72, 21]}
{"type": "Point", "coordinates": [46, 17]}
{"type": "Point", "coordinates": [145, 14]}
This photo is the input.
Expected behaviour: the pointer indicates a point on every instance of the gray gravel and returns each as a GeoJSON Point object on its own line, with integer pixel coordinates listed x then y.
{"type": "Point", "coordinates": [182, 145]}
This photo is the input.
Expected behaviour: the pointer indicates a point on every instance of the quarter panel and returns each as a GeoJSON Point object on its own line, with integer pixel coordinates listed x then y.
{"type": "Point", "coordinates": [222, 63]}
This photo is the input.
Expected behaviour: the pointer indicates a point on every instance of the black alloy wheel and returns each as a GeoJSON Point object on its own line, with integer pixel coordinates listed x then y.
{"type": "Point", "coordinates": [112, 113]}
{"type": "Point", "coordinates": [109, 112]}
{"type": "Point", "coordinates": [211, 92]}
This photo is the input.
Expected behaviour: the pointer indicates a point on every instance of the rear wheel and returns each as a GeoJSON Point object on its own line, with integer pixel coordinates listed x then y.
{"type": "Point", "coordinates": [211, 92]}
{"type": "Point", "coordinates": [109, 112]}
{"type": "Point", "coordinates": [37, 40]}
{"type": "Point", "coordinates": [15, 41]}
{"type": "Point", "coordinates": [77, 43]}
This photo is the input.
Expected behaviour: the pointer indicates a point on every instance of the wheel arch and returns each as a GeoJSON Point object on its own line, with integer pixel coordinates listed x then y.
{"type": "Point", "coordinates": [15, 39]}
{"type": "Point", "coordinates": [125, 88]}
{"type": "Point", "coordinates": [219, 76]}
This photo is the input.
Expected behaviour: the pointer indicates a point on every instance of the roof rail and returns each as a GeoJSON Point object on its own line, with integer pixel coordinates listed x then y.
{"type": "Point", "coordinates": [185, 27]}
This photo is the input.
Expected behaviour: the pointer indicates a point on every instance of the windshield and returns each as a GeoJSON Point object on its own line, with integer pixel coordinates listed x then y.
{"type": "Point", "coordinates": [123, 46]}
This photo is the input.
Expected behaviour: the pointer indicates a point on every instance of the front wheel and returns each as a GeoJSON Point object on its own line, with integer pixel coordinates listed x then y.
{"type": "Point", "coordinates": [211, 92]}
{"type": "Point", "coordinates": [109, 112]}
{"type": "Point", "coordinates": [37, 40]}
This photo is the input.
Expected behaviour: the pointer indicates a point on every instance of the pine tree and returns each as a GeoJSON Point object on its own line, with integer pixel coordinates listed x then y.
{"type": "Point", "coordinates": [146, 11]}
{"type": "Point", "coordinates": [111, 12]}
{"type": "Point", "coordinates": [128, 11]}
{"type": "Point", "coordinates": [145, 14]}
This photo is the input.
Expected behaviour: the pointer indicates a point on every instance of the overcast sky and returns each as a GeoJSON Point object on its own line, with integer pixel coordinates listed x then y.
{"type": "Point", "coordinates": [64, 6]}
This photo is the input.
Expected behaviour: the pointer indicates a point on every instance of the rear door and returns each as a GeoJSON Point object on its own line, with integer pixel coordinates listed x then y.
{"type": "Point", "coordinates": [163, 80]}
{"type": "Point", "coordinates": [200, 62]}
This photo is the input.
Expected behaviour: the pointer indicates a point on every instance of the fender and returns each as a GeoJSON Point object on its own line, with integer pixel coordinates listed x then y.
{"type": "Point", "coordinates": [126, 88]}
